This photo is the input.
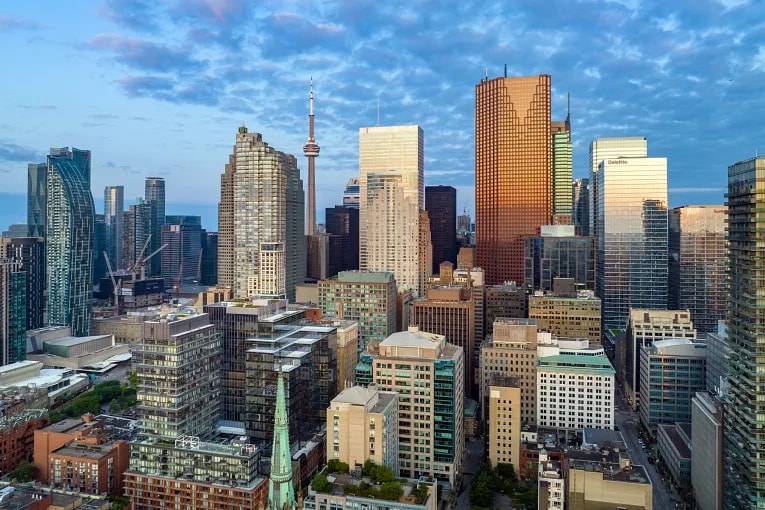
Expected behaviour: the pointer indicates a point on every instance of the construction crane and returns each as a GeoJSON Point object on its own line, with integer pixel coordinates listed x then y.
{"type": "Point", "coordinates": [132, 268]}
{"type": "Point", "coordinates": [115, 284]}
{"type": "Point", "coordinates": [142, 262]}
{"type": "Point", "coordinates": [199, 265]}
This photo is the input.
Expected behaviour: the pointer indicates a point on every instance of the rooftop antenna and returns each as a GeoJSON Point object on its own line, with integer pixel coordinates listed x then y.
{"type": "Point", "coordinates": [487, 73]}
{"type": "Point", "coordinates": [505, 70]}
{"type": "Point", "coordinates": [378, 109]}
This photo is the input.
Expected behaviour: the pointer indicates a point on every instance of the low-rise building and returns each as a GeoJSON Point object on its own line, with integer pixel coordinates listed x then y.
{"type": "Point", "coordinates": [17, 437]}
{"type": "Point", "coordinates": [345, 495]}
{"type": "Point", "coordinates": [605, 479]}
{"type": "Point", "coordinates": [551, 491]}
{"type": "Point", "coordinates": [57, 382]}
{"type": "Point", "coordinates": [675, 451]}
{"type": "Point", "coordinates": [55, 347]}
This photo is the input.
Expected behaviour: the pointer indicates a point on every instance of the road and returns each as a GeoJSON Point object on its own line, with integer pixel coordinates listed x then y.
{"type": "Point", "coordinates": [470, 467]}
{"type": "Point", "coordinates": [629, 425]}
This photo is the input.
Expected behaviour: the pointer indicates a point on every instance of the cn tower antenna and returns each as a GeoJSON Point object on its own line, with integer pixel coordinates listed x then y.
{"type": "Point", "coordinates": [311, 151]}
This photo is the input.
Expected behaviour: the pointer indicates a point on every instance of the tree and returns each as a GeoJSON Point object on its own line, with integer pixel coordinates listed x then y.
{"type": "Point", "coordinates": [119, 502]}
{"type": "Point", "coordinates": [481, 493]}
{"type": "Point", "coordinates": [320, 483]}
{"type": "Point", "coordinates": [336, 466]}
{"type": "Point", "coordinates": [391, 491]}
{"type": "Point", "coordinates": [24, 472]}
{"type": "Point", "coordinates": [133, 380]}
{"type": "Point", "coordinates": [506, 472]}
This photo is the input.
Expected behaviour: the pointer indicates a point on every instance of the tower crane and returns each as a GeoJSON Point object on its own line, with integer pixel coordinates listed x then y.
{"type": "Point", "coordinates": [115, 284]}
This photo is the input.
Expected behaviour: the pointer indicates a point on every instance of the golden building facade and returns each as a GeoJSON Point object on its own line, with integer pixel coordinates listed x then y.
{"type": "Point", "coordinates": [504, 419]}
{"type": "Point", "coordinates": [569, 317]}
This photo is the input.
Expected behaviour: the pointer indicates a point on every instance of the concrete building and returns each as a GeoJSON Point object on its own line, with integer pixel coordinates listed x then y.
{"type": "Point", "coordinates": [428, 375]}
{"type": "Point", "coordinates": [559, 253]}
{"type": "Point", "coordinates": [674, 442]}
{"type": "Point", "coordinates": [57, 382]}
{"type": "Point", "coordinates": [55, 347]}
{"type": "Point", "coordinates": [363, 425]}
{"type": "Point", "coordinates": [466, 258]}
{"type": "Point", "coordinates": [504, 419]}
{"type": "Point", "coordinates": [506, 301]}
{"type": "Point", "coordinates": [707, 451]}
{"type": "Point", "coordinates": [261, 247]}
{"type": "Point", "coordinates": [416, 495]}
{"type": "Point", "coordinates": [568, 316]}
{"type": "Point", "coordinates": [600, 480]}
{"type": "Point", "coordinates": [643, 328]}
{"type": "Point", "coordinates": [367, 298]}
{"type": "Point", "coordinates": [671, 372]}
{"type": "Point", "coordinates": [697, 263]}
{"type": "Point", "coordinates": [551, 490]}
{"type": "Point", "coordinates": [575, 392]}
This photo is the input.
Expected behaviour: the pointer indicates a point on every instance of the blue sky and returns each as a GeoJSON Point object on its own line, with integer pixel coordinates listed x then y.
{"type": "Point", "coordinates": [160, 87]}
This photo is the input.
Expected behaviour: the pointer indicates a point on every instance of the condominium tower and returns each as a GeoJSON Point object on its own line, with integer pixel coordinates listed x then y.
{"type": "Point", "coordinates": [261, 243]}
{"type": "Point", "coordinates": [513, 190]}
{"type": "Point", "coordinates": [114, 208]}
{"type": "Point", "coordinates": [155, 197]}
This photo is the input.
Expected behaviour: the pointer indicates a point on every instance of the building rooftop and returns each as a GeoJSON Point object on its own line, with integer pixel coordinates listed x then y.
{"type": "Point", "coordinates": [612, 471]}
{"type": "Point", "coordinates": [364, 277]}
{"type": "Point", "coordinates": [568, 362]}
{"type": "Point", "coordinates": [75, 340]}
{"type": "Point", "coordinates": [677, 441]}
{"type": "Point", "coordinates": [603, 438]}
{"type": "Point", "coordinates": [356, 395]}
{"type": "Point", "coordinates": [85, 451]}
{"type": "Point", "coordinates": [18, 366]}
{"type": "Point", "coordinates": [507, 381]}
{"type": "Point", "coordinates": [414, 338]}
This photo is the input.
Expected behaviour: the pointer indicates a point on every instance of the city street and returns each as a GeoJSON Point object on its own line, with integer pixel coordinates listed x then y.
{"type": "Point", "coordinates": [629, 425]}
{"type": "Point", "coordinates": [469, 469]}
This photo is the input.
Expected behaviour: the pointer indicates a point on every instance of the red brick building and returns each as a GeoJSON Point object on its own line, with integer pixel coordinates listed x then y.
{"type": "Point", "coordinates": [17, 437]}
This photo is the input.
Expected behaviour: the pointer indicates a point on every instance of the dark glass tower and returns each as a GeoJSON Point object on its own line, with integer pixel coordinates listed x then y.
{"type": "Point", "coordinates": [114, 207]}
{"type": "Point", "coordinates": [100, 245]}
{"type": "Point", "coordinates": [209, 258]}
{"type": "Point", "coordinates": [181, 259]}
{"type": "Point", "coordinates": [441, 204]}
{"type": "Point", "coordinates": [30, 251]}
{"type": "Point", "coordinates": [36, 199]}
{"type": "Point", "coordinates": [344, 221]}
{"type": "Point", "coordinates": [155, 197]}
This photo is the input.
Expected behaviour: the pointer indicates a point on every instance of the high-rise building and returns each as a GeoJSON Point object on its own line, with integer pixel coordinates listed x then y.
{"type": "Point", "coordinates": [261, 238]}
{"type": "Point", "coordinates": [324, 256]}
{"type": "Point", "coordinates": [138, 225]}
{"type": "Point", "coordinates": [744, 465]}
{"type": "Point", "coordinates": [559, 253]}
{"type": "Point", "coordinates": [513, 190]}
{"type": "Point", "coordinates": [182, 257]}
{"type": "Point", "coordinates": [562, 171]}
{"type": "Point", "coordinates": [604, 149]}
{"type": "Point", "coordinates": [69, 240]}
{"type": "Point", "coordinates": [581, 206]}
{"type": "Point", "coordinates": [209, 258]}
{"type": "Point", "coordinates": [697, 278]}
{"type": "Point", "coordinates": [504, 419]}
{"type": "Point", "coordinates": [441, 204]}
{"type": "Point", "coordinates": [352, 193]}
{"type": "Point", "coordinates": [311, 151]}
{"type": "Point", "coordinates": [463, 222]}
{"type": "Point", "coordinates": [365, 297]}
{"type": "Point", "coordinates": [13, 311]}
{"type": "Point", "coordinates": [37, 199]}
{"type": "Point", "coordinates": [631, 255]}
{"type": "Point", "coordinates": [114, 208]}
{"type": "Point", "coordinates": [425, 364]}
{"type": "Point", "coordinates": [100, 268]}
{"type": "Point", "coordinates": [707, 467]}
{"type": "Point", "coordinates": [155, 197]}
{"type": "Point", "coordinates": [392, 194]}
{"type": "Point", "coordinates": [30, 252]}
{"type": "Point", "coordinates": [343, 221]}
{"type": "Point", "coordinates": [507, 301]}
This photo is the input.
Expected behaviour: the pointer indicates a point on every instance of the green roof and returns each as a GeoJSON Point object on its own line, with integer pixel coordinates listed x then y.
{"type": "Point", "coordinates": [566, 362]}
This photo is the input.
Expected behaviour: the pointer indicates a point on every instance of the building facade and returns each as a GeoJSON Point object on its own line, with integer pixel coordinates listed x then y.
{"type": "Point", "coordinates": [17, 434]}
{"type": "Point", "coordinates": [562, 172]}
{"type": "Point", "coordinates": [182, 257]}
{"type": "Point", "coordinates": [352, 193]}
{"type": "Point", "coordinates": [114, 209]}
{"type": "Point", "coordinates": [707, 468]}
{"type": "Point", "coordinates": [571, 317]}
{"type": "Point", "coordinates": [69, 232]}
{"type": "Point", "coordinates": [37, 199]}
{"type": "Point", "coordinates": [581, 206]}
{"type": "Point", "coordinates": [441, 204]}
{"type": "Point", "coordinates": [30, 252]}
{"type": "Point", "coordinates": [343, 221]}
{"type": "Point", "coordinates": [513, 153]}
{"type": "Point", "coordinates": [261, 216]}
{"type": "Point", "coordinates": [558, 253]}
{"type": "Point", "coordinates": [697, 261]}
{"type": "Point", "coordinates": [154, 193]}
{"type": "Point", "coordinates": [13, 311]}
{"type": "Point", "coordinates": [504, 419]}
{"type": "Point", "coordinates": [674, 444]}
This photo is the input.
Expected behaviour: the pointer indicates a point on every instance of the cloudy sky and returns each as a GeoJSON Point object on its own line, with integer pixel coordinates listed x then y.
{"type": "Point", "coordinates": [159, 87]}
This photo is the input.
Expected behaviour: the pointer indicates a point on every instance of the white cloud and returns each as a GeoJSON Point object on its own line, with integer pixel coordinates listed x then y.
{"type": "Point", "coordinates": [758, 62]}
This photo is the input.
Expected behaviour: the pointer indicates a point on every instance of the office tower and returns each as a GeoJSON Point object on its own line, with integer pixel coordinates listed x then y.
{"type": "Point", "coordinates": [513, 192]}
{"type": "Point", "coordinates": [311, 151]}
{"type": "Point", "coordinates": [697, 263]}
{"type": "Point", "coordinates": [604, 149]}
{"type": "Point", "coordinates": [504, 419]}
{"type": "Point", "coordinates": [30, 252]}
{"type": "Point", "coordinates": [99, 247]}
{"type": "Point", "coordinates": [209, 258]}
{"type": "Point", "coordinates": [13, 311]}
{"type": "Point", "coordinates": [281, 493]}
{"type": "Point", "coordinates": [69, 240]}
{"type": "Point", "coordinates": [514, 339]}
{"type": "Point", "coordinates": [155, 197]}
{"type": "Point", "coordinates": [441, 204]}
{"type": "Point", "coordinates": [425, 253]}
{"type": "Point", "coordinates": [114, 207]}
{"type": "Point", "coordinates": [581, 206]}
{"type": "Point", "coordinates": [450, 311]}
{"type": "Point", "coordinates": [37, 198]}
{"type": "Point", "coordinates": [16, 230]}
{"type": "Point", "coordinates": [568, 316]}
{"type": "Point", "coordinates": [261, 245]}
{"type": "Point", "coordinates": [363, 424]}
{"type": "Point", "coordinates": [632, 236]}
{"type": "Point", "coordinates": [463, 222]}
{"type": "Point", "coordinates": [352, 193]}
{"type": "Point", "coordinates": [707, 447]}
{"type": "Point", "coordinates": [343, 221]}
{"type": "Point", "coordinates": [178, 364]}
{"type": "Point", "coordinates": [438, 369]}
{"type": "Point", "coordinates": [575, 392]}
{"type": "Point", "coordinates": [559, 253]}
{"type": "Point", "coordinates": [643, 329]}
{"type": "Point", "coordinates": [138, 225]}
{"type": "Point", "coordinates": [562, 170]}
{"type": "Point", "coordinates": [392, 194]}
{"type": "Point", "coordinates": [182, 258]}
{"type": "Point", "coordinates": [324, 256]}
{"type": "Point", "coordinates": [744, 464]}
{"type": "Point", "coordinates": [365, 297]}
{"type": "Point", "coordinates": [507, 301]}
{"type": "Point", "coordinates": [674, 369]}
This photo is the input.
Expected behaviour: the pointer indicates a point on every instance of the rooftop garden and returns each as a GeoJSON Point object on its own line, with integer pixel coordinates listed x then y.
{"type": "Point", "coordinates": [376, 482]}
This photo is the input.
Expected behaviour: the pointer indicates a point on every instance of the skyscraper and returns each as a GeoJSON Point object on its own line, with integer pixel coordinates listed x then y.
{"type": "Point", "coordinates": [558, 253]}
{"type": "Point", "coordinates": [155, 197]}
{"type": "Point", "coordinates": [37, 198]}
{"type": "Point", "coordinates": [311, 151]}
{"type": "Point", "coordinates": [261, 238]}
{"type": "Point", "coordinates": [69, 239]}
{"type": "Point", "coordinates": [562, 170]}
{"type": "Point", "coordinates": [351, 193]}
{"type": "Point", "coordinates": [513, 192]}
{"type": "Point", "coordinates": [441, 204]}
{"type": "Point", "coordinates": [581, 206]}
{"type": "Point", "coordinates": [137, 226]}
{"type": "Point", "coordinates": [209, 258]}
{"type": "Point", "coordinates": [13, 311]}
{"type": "Point", "coordinates": [99, 247]}
{"type": "Point", "coordinates": [392, 194]}
{"type": "Point", "coordinates": [114, 207]}
{"type": "Point", "coordinates": [281, 493]}
{"type": "Point", "coordinates": [697, 279]}
{"type": "Point", "coordinates": [610, 148]}
{"type": "Point", "coordinates": [30, 251]}
{"type": "Point", "coordinates": [631, 258]}
{"type": "Point", "coordinates": [181, 259]}
{"type": "Point", "coordinates": [744, 464]}
{"type": "Point", "coordinates": [344, 221]}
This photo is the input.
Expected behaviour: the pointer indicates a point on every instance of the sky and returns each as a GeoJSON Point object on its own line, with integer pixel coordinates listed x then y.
{"type": "Point", "coordinates": [159, 87]}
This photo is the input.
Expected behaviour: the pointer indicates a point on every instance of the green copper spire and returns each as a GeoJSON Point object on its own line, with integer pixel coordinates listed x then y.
{"type": "Point", "coordinates": [281, 494]}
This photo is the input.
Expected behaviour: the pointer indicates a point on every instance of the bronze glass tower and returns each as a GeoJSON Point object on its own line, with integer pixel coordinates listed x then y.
{"type": "Point", "coordinates": [513, 191]}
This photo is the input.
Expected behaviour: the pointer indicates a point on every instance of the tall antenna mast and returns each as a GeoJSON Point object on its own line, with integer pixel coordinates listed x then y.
{"type": "Point", "coordinates": [311, 151]}
{"type": "Point", "coordinates": [378, 109]}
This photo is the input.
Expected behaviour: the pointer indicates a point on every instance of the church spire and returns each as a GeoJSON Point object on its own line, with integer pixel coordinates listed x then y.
{"type": "Point", "coordinates": [281, 494]}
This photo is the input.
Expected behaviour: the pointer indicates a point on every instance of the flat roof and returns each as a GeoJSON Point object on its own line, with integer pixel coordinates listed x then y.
{"type": "Point", "coordinates": [75, 340]}
{"type": "Point", "coordinates": [573, 362]}
{"type": "Point", "coordinates": [674, 438]}
{"type": "Point", "coordinates": [85, 451]}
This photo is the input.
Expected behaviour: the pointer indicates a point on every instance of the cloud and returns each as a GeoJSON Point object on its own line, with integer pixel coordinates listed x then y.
{"type": "Point", "coordinates": [9, 23]}
{"type": "Point", "coordinates": [137, 15]}
{"type": "Point", "coordinates": [146, 55]}
{"type": "Point", "coordinates": [758, 62]}
{"type": "Point", "coordinates": [13, 152]}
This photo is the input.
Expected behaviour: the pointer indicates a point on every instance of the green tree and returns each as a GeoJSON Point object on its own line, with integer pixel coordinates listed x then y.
{"type": "Point", "coordinates": [24, 472]}
{"type": "Point", "coordinates": [481, 492]}
{"type": "Point", "coordinates": [119, 502]}
{"type": "Point", "coordinates": [506, 472]}
{"type": "Point", "coordinates": [336, 466]}
{"type": "Point", "coordinates": [133, 380]}
{"type": "Point", "coordinates": [320, 483]}
{"type": "Point", "coordinates": [391, 491]}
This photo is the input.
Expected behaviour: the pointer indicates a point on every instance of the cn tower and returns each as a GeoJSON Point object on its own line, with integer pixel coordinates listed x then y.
{"type": "Point", "coordinates": [311, 151]}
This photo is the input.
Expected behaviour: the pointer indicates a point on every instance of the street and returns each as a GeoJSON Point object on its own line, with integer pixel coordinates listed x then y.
{"type": "Point", "coordinates": [469, 469]}
{"type": "Point", "coordinates": [629, 425]}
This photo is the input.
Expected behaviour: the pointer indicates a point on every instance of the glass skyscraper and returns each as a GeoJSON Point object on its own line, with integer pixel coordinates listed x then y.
{"type": "Point", "coordinates": [562, 172]}
{"type": "Point", "coordinates": [114, 207]}
{"type": "Point", "coordinates": [631, 260]}
{"type": "Point", "coordinates": [155, 197]}
{"type": "Point", "coordinates": [13, 311]}
{"type": "Point", "coordinates": [69, 239]}
{"type": "Point", "coordinates": [558, 253]}
{"type": "Point", "coordinates": [441, 204]}
{"type": "Point", "coordinates": [745, 378]}
{"type": "Point", "coordinates": [36, 198]}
